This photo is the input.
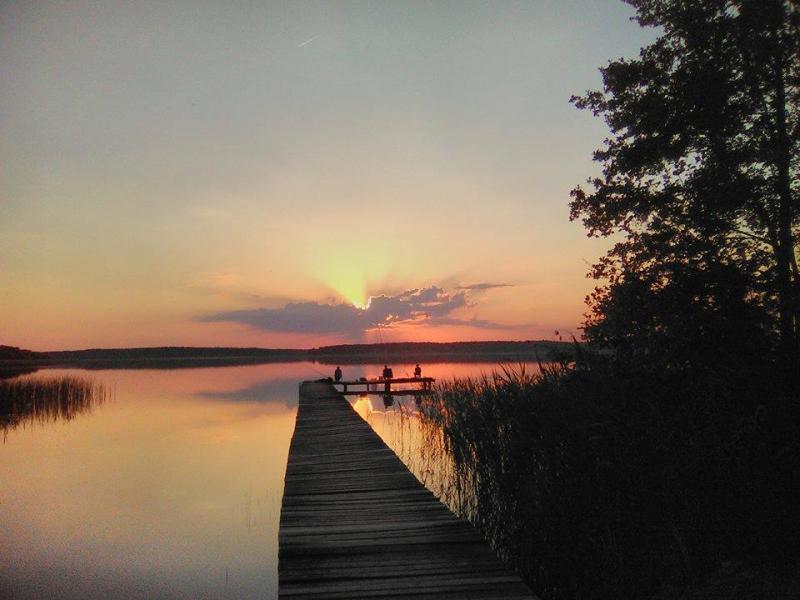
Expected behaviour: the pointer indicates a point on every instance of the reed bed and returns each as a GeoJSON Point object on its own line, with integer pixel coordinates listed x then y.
{"type": "Point", "coordinates": [420, 447]}
{"type": "Point", "coordinates": [598, 484]}
{"type": "Point", "coordinates": [46, 400]}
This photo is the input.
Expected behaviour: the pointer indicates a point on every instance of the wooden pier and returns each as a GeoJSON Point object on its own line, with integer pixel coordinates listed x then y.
{"type": "Point", "coordinates": [357, 387]}
{"type": "Point", "coordinates": [355, 523]}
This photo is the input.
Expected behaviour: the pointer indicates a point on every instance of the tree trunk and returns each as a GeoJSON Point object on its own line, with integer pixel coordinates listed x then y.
{"type": "Point", "coordinates": [787, 293]}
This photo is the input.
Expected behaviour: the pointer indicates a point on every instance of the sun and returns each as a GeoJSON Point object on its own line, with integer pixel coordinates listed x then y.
{"type": "Point", "coordinates": [362, 305]}
{"type": "Point", "coordinates": [349, 271]}
{"type": "Point", "coordinates": [348, 283]}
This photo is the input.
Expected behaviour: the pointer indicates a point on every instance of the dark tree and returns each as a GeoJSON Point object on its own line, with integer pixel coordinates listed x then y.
{"type": "Point", "coordinates": [700, 180]}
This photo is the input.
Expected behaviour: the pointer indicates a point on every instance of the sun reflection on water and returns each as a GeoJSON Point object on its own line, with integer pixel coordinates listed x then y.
{"type": "Point", "coordinates": [363, 406]}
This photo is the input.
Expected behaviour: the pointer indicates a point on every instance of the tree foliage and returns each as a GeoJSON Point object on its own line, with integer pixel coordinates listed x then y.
{"type": "Point", "coordinates": [699, 182]}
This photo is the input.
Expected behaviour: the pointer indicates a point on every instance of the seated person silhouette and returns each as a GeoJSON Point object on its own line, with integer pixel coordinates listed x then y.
{"type": "Point", "coordinates": [337, 374]}
{"type": "Point", "coordinates": [417, 371]}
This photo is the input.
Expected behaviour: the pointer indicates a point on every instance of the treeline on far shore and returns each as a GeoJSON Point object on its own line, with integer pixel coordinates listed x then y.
{"type": "Point", "coordinates": [185, 357]}
{"type": "Point", "coordinates": [543, 350]}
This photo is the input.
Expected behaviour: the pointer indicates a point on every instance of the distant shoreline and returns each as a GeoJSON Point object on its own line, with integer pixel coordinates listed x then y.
{"type": "Point", "coordinates": [13, 359]}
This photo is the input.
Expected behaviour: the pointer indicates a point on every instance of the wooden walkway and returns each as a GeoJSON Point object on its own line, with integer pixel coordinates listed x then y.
{"type": "Point", "coordinates": [384, 386]}
{"type": "Point", "coordinates": [355, 523]}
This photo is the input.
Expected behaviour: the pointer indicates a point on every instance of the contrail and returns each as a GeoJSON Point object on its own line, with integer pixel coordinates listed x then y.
{"type": "Point", "coordinates": [308, 41]}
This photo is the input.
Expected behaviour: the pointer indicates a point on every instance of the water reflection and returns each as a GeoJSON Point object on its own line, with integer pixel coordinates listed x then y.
{"type": "Point", "coordinates": [419, 441]}
{"type": "Point", "coordinates": [42, 401]}
{"type": "Point", "coordinates": [269, 390]}
{"type": "Point", "coordinates": [173, 490]}
{"type": "Point", "coordinates": [418, 446]}
{"type": "Point", "coordinates": [9, 372]}
{"type": "Point", "coordinates": [363, 406]}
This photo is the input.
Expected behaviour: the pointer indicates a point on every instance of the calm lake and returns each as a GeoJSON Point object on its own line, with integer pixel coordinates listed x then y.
{"type": "Point", "coordinates": [170, 487]}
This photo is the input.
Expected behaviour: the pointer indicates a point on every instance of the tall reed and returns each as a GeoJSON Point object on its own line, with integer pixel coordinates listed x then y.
{"type": "Point", "coordinates": [45, 400]}
{"type": "Point", "coordinates": [596, 483]}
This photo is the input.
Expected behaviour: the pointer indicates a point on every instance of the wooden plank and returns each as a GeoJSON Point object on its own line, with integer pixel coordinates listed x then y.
{"type": "Point", "coordinates": [355, 523]}
{"type": "Point", "coordinates": [382, 392]}
{"type": "Point", "coordinates": [378, 380]}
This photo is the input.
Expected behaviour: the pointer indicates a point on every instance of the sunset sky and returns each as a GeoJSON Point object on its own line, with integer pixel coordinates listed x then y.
{"type": "Point", "coordinates": [292, 174]}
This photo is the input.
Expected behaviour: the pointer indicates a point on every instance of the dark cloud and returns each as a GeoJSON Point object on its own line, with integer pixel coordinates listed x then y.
{"type": "Point", "coordinates": [432, 305]}
{"type": "Point", "coordinates": [298, 317]}
{"type": "Point", "coordinates": [480, 287]}
{"type": "Point", "coordinates": [479, 323]}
